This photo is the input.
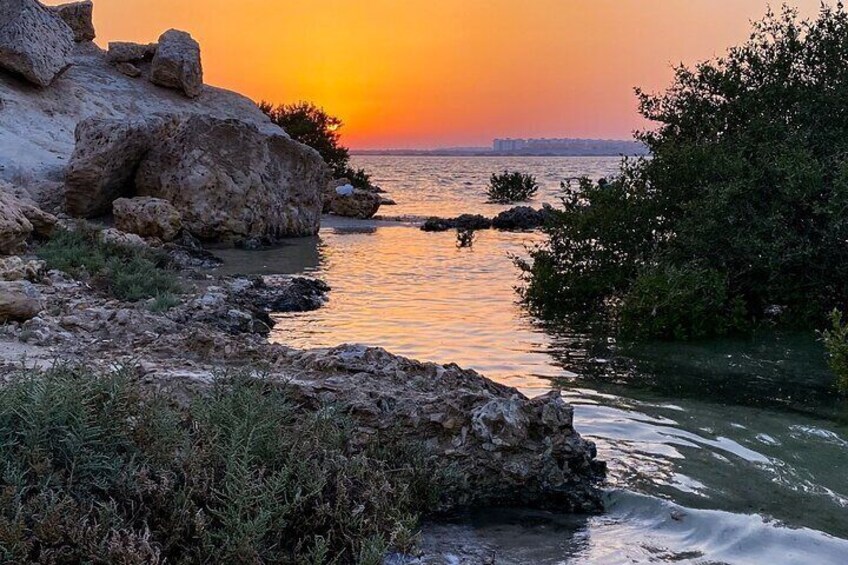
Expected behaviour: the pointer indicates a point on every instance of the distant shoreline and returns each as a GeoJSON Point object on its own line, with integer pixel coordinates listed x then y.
{"type": "Point", "coordinates": [442, 153]}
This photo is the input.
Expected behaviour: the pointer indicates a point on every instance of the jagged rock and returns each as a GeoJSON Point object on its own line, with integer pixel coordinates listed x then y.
{"type": "Point", "coordinates": [43, 223]}
{"type": "Point", "coordinates": [128, 69]}
{"type": "Point", "coordinates": [19, 301]}
{"type": "Point", "coordinates": [34, 41]}
{"type": "Point", "coordinates": [501, 446]}
{"type": "Point", "coordinates": [14, 268]}
{"type": "Point", "coordinates": [147, 217]}
{"type": "Point", "coordinates": [354, 203]}
{"type": "Point", "coordinates": [176, 63]}
{"type": "Point", "coordinates": [15, 228]}
{"type": "Point", "coordinates": [128, 52]}
{"type": "Point", "coordinates": [79, 17]}
{"type": "Point", "coordinates": [122, 239]}
{"type": "Point", "coordinates": [520, 218]}
{"type": "Point", "coordinates": [103, 163]}
{"type": "Point", "coordinates": [230, 180]}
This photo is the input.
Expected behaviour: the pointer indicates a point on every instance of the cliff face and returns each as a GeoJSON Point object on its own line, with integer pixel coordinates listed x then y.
{"type": "Point", "coordinates": [38, 123]}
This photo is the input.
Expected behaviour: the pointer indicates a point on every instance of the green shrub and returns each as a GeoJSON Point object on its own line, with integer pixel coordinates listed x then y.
{"type": "Point", "coordinates": [836, 342]}
{"type": "Point", "coordinates": [508, 187]}
{"type": "Point", "coordinates": [127, 273]}
{"type": "Point", "coordinates": [680, 303]}
{"type": "Point", "coordinates": [93, 470]}
{"type": "Point", "coordinates": [748, 178]}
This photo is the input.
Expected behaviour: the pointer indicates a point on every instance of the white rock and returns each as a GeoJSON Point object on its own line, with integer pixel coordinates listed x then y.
{"type": "Point", "coordinates": [345, 190]}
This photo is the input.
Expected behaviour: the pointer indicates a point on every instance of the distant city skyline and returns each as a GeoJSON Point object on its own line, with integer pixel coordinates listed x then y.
{"type": "Point", "coordinates": [431, 74]}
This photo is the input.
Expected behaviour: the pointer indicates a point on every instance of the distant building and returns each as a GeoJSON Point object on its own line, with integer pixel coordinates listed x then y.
{"type": "Point", "coordinates": [567, 147]}
{"type": "Point", "coordinates": [509, 145]}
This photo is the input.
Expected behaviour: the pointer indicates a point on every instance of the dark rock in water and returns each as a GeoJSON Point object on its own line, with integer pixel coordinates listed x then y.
{"type": "Point", "coordinates": [297, 294]}
{"type": "Point", "coordinates": [187, 252]}
{"type": "Point", "coordinates": [520, 218]}
{"type": "Point", "coordinates": [472, 222]}
{"type": "Point", "coordinates": [438, 224]}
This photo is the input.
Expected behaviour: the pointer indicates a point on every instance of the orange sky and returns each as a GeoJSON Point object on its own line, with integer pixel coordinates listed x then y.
{"type": "Point", "coordinates": [429, 73]}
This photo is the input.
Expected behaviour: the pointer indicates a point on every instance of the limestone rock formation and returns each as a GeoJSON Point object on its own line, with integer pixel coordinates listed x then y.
{"type": "Point", "coordinates": [231, 180]}
{"type": "Point", "coordinates": [128, 69]}
{"type": "Point", "coordinates": [354, 203]}
{"type": "Point", "coordinates": [43, 223]}
{"type": "Point", "coordinates": [176, 63]}
{"type": "Point", "coordinates": [506, 448]}
{"type": "Point", "coordinates": [16, 269]}
{"type": "Point", "coordinates": [104, 163]}
{"type": "Point", "coordinates": [15, 228]}
{"type": "Point", "coordinates": [117, 237]}
{"type": "Point", "coordinates": [79, 17]}
{"type": "Point", "coordinates": [34, 41]}
{"type": "Point", "coordinates": [147, 217]}
{"type": "Point", "coordinates": [128, 52]}
{"type": "Point", "coordinates": [19, 301]}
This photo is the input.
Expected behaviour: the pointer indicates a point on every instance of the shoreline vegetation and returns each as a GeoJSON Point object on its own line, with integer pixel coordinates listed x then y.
{"type": "Point", "coordinates": [737, 220]}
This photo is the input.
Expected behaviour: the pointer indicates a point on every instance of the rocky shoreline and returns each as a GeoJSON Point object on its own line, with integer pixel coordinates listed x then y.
{"type": "Point", "coordinates": [130, 146]}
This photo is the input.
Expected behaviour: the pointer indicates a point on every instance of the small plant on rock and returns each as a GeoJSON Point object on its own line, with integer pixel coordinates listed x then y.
{"type": "Point", "coordinates": [509, 187]}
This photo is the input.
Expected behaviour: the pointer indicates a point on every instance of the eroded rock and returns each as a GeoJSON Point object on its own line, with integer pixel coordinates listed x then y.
{"type": "Point", "coordinates": [128, 52]}
{"type": "Point", "coordinates": [176, 63]}
{"type": "Point", "coordinates": [34, 41]}
{"type": "Point", "coordinates": [232, 181]}
{"type": "Point", "coordinates": [104, 162]}
{"type": "Point", "coordinates": [19, 301]}
{"type": "Point", "coordinates": [354, 203]}
{"type": "Point", "coordinates": [147, 217]}
{"type": "Point", "coordinates": [15, 268]}
{"type": "Point", "coordinates": [15, 228]}
{"type": "Point", "coordinates": [79, 16]}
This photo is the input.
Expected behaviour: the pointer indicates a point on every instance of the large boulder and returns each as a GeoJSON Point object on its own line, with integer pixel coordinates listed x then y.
{"type": "Point", "coordinates": [176, 63]}
{"type": "Point", "coordinates": [79, 17]}
{"type": "Point", "coordinates": [15, 228]}
{"type": "Point", "coordinates": [354, 203]}
{"type": "Point", "coordinates": [104, 162]}
{"type": "Point", "coordinates": [19, 301]}
{"type": "Point", "coordinates": [231, 180]}
{"type": "Point", "coordinates": [147, 217]}
{"type": "Point", "coordinates": [34, 41]}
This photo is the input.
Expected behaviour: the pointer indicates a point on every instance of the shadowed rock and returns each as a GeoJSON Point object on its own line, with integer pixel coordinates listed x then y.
{"type": "Point", "coordinates": [15, 228]}
{"type": "Point", "coordinates": [19, 301]}
{"type": "Point", "coordinates": [127, 52]}
{"type": "Point", "coordinates": [79, 17]}
{"type": "Point", "coordinates": [147, 217]}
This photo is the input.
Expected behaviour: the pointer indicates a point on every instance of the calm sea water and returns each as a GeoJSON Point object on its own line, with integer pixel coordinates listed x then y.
{"type": "Point", "coordinates": [730, 452]}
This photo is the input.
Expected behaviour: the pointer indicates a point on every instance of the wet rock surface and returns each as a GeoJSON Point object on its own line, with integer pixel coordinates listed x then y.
{"type": "Point", "coordinates": [519, 218]}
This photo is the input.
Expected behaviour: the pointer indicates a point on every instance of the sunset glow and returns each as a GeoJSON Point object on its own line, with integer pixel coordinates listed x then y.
{"type": "Point", "coordinates": [447, 72]}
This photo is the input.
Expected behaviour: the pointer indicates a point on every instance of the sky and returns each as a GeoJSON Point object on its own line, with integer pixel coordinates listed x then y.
{"type": "Point", "coordinates": [439, 73]}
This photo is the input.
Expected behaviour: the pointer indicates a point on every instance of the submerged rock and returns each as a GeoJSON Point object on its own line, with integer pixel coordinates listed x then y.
{"type": "Point", "coordinates": [520, 218]}
{"type": "Point", "coordinates": [147, 217]}
{"type": "Point", "coordinates": [34, 41]}
{"type": "Point", "coordinates": [79, 16]}
{"type": "Point", "coordinates": [176, 63]}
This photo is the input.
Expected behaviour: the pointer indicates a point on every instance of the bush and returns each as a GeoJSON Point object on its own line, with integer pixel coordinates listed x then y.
{"type": "Point", "coordinates": [508, 187]}
{"type": "Point", "coordinates": [94, 470]}
{"type": "Point", "coordinates": [127, 273]}
{"type": "Point", "coordinates": [836, 342]}
{"type": "Point", "coordinates": [680, 303]}
{"type": "Point", "coordinates": [748, 179]}
{"type": "Point", "coordinates": [313, 126]}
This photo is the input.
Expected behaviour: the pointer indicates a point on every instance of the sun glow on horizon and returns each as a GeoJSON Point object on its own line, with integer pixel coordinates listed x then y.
{"type": "Point", "coordinates": [444, 72]}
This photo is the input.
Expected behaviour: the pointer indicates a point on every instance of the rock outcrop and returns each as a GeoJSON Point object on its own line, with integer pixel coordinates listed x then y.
{"type": "Point", "coordinates": [19, 301]}
{"type": "Point", "coordinates": [34, 41]}
{"type": "Point", "coordinates": [232, 181]}
{"type": "Point", "coordinates": [15, 228]}
{"type": "Point", "coordinates": [79, 16]}
{"type": "Point", "coordinates": [354, 203]}
{"type": "Point", "coordinates": [104, 162]}
{"type": "Point", "coordinates": [128, 52]}
{"type": "Point", "coordinates": [176, 63]}
{"type": "Point", "coordinates": [520, 218]}
{"type": "Point", "coordinates": [147, 217]}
